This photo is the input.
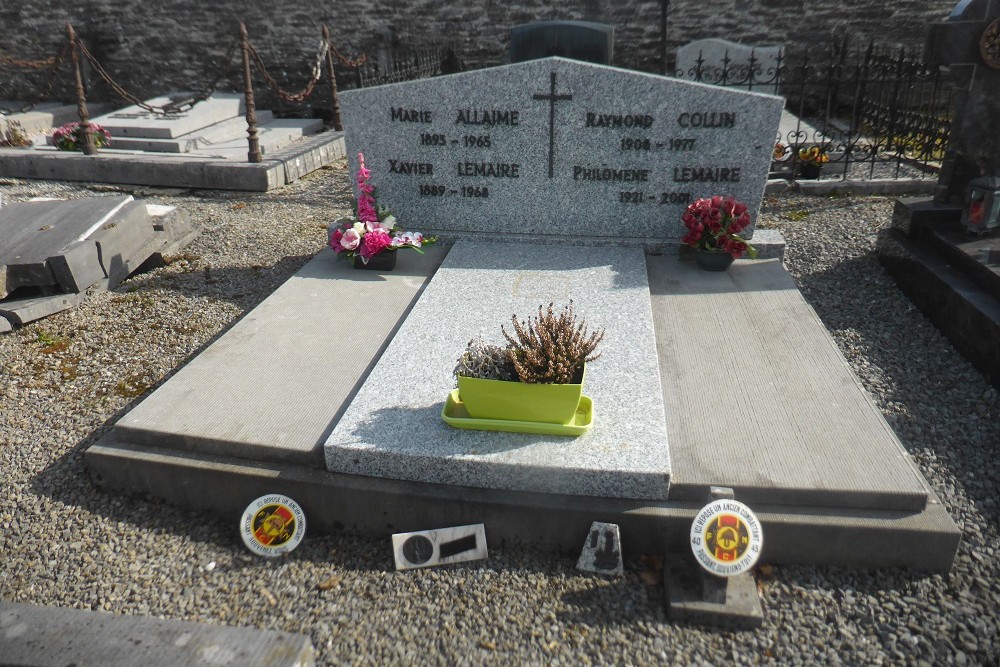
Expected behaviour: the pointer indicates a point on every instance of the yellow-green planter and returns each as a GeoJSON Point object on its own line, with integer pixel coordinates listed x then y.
{"type": "Point", "coordinates": [520, 401]}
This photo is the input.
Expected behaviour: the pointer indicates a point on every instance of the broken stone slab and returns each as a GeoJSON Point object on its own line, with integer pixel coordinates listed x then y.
{"type": "Point", "coordinates": [5, 325]}
{"type": "Point", "coordinates": [29, 309]}
{"type": "Point", "coordinates": [34, 232]}
{"type": "Point", "coordinates": [125, 242]}
{"type": "Point", "coordinates": [227, 130]}
{"type": "Point", "coordinates": [77, 266]}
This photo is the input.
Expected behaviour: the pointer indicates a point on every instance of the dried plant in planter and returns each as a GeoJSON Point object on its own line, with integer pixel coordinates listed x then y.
{"type": "Point", "coordinates": [551, 348]}
{"type": "Point", "coordinates": [489, 362]}
{"type": "Point", "coordinates": [14, 136]}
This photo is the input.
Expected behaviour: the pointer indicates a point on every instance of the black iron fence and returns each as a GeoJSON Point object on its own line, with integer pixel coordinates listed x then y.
{"type": "Point", "coordinates": [401, 65]}
{"type": "Point", "coordinates": [875, 113]}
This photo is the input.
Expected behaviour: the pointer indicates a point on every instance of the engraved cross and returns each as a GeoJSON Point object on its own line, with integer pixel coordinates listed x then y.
{"type": "Point", "coordinates": [552, 98]}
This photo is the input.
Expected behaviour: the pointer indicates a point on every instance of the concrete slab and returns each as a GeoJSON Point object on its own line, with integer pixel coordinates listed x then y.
{"type": "Point", "coordinates": [255, 413]}
{"type": "Point", "coordinates": [182, 170]}
{"type": "Point", "coordinates": [760, 399]}
{"type": "Point", "coordinates": [393, 427]}
{"type": "Point", "coordinates": [125, 242]}
{"type": "Point", "coordinates": [224, 486]}
{"type": "Point", "coordinates": [133, 121]}
{"type": "Point", "coordinates": [36, 636]}
{"type": "Point", "coordinates": [271, 136]}
{"type": "Point", "coordinates": [167, 464]}
{"type": "Point", "coordinates": [226, 130]}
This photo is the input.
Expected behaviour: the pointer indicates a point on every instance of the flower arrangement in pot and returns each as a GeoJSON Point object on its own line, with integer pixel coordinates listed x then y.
{"type": "Point", "coordinates": [69, 137]}
{"type": "Point", "coordinates": [371, 238]}
{"type": "Point", "coordinates": [537, 377]}
{"type": "Point", "coordinates": [714, 225]}
{"type": "Point", "coordinates": [811, 161]}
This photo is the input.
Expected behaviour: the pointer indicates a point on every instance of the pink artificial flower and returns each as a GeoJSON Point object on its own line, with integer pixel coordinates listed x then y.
{"type": "Point", "coordinates": [350, 239]}
{"type": "Point", "coordinates": [335, 240]}
{"type": "Point", "coordinates": [374, 242]}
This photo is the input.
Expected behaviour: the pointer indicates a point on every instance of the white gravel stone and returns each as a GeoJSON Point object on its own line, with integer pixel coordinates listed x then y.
{"type": "Point", "coordinates": [66, 379]}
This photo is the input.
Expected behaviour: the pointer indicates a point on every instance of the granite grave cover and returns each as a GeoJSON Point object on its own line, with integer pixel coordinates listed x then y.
{"type": "Point", "coordinates": [559, 147]}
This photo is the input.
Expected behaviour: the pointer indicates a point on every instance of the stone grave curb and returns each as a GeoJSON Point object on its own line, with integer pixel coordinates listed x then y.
{"type": "Point", "coordinates": [925, 540]}
{"type": "Point", "coordinates": [883, 186]}
{"type": "Point", "coordinates": [167, 170]}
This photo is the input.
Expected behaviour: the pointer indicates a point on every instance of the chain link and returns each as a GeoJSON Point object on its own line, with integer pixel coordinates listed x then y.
{"type": "Point", "coordinates": [167, 109]}
{"type": "Point", "coordinates": [357, 62]}
{"type": "Point", "coordinates": [55, 62]}
{"type": "Point", "coordinates": [300, 96]}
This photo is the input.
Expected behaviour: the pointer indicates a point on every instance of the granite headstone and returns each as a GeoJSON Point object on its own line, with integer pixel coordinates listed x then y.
{"type": "Point", "coordinates": [577, 40]}
{"type": "Point", "coordinates": [721, 62]}
{"type": "Point", "coordinates": [558, 147]}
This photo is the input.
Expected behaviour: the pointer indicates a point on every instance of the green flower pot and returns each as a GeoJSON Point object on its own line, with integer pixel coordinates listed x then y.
{"type": "Point", "coordinates": [520, 401]}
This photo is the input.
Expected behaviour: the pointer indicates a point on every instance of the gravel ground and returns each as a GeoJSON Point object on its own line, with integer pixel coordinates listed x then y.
{"type": "Point", "coordinates": [65, 380]}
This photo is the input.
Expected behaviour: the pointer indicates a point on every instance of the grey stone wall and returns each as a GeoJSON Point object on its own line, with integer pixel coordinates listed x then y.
{"type": "Point", "coordinates": [155, 46]}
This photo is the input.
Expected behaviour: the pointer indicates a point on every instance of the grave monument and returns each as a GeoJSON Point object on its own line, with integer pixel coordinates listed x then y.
{"type": "Point", "coordinates": [548, 181]}
{"type": "Point", "coordinates": [578, 40]}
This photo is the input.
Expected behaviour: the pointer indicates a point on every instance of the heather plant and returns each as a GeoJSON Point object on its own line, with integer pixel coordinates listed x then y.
{"type": "Point", "coordinates": [486, 361]}
{"type": "Point", "coordinates": [551, 348]}
{"type": "Point", "coordinates": [14, 136]}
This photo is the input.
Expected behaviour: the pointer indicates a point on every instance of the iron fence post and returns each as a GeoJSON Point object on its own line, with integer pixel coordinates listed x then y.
{"type": "Point", "coordinates": [253, 142]}
{"type": "Point", "coordinates": [87, 139]}
{"type": "Point", "coordinates": [337, 123]}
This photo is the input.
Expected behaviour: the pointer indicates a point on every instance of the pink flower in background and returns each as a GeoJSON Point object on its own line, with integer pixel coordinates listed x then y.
{"type": "Point", "coordinates": [335, 240]}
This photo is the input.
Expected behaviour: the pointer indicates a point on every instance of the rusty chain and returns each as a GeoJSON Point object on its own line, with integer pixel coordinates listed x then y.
{"type": "Point", "coordinates": [55, 62]}
{"type": "Point", "coordinates": [317, 72]}
{"type": "Point", "coordinates": [357, 62]}
{"type": "Point", "coordinates": [166, 109]}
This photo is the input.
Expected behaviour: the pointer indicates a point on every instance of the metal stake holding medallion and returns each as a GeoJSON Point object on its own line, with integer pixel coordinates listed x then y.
{"type": "Point", "coordinates": [716, 586]}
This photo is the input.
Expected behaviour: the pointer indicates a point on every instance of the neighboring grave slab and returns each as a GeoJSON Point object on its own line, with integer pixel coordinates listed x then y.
{"type": "Point", "coordinates": [719, 61]}
{"type": "Point", "coordinates": [557, 147]}
{"type": "Point", "coordinates": [134, 121]}
{"type": "Point", "coordinates": [393, 426]}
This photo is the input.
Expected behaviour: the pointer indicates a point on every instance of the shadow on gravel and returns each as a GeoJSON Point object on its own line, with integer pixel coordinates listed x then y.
{"type": "Point", "coordinates": [621, 601]}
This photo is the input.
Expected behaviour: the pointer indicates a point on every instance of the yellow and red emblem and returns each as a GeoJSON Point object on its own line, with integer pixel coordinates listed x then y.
{"type": "Point", "coordinates": [726, 537]}
{"type": "Point", "coordinates": [272, 525]}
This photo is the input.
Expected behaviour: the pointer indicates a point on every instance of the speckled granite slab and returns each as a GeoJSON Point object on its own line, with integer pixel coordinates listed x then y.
{"type": "Point", "coordinates": [393, 427]}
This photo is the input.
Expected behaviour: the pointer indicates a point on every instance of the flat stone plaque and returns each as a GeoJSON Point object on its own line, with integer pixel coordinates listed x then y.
{"type": "Point", "coordinates": [560, 147]}
{"type": "Point", "coordinates": [134, 121]}
{"type": "Point", "coordinates": [393, 427]}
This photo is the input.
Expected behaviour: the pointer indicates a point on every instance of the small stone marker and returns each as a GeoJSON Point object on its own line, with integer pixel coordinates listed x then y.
{"type": "Point", "coordinates": [602, 551]}
{"type": "Point", "coordinates": [716, 588]}
{"type": "Point", "coordinates": [273, 525]}
{"type": "Point", "coordinates": [428, 548]}
{"type": "Point", "coordinates": [557, 147]}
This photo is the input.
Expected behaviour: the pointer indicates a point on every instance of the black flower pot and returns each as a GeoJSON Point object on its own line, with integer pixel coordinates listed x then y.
{"type": "Point", "coordinates": [713, 260]}
{"type": "Point", "coordinates": [810, 170]}
{"type": "Point", "coordinates": [384, 261]}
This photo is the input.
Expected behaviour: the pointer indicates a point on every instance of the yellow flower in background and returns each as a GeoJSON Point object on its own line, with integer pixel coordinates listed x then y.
{"type": "Point", "coordinates": [814, 154]}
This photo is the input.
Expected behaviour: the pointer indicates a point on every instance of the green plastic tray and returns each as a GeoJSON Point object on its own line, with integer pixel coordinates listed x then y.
{"type": "Point", "coordinates": [455, 415]}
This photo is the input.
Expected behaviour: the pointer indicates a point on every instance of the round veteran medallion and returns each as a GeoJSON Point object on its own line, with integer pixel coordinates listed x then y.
{"type": "Point", "coordinates": [726, 538]}
{"type": "Point", "coordinates": [273, 525]}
